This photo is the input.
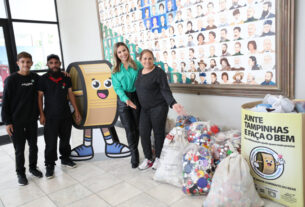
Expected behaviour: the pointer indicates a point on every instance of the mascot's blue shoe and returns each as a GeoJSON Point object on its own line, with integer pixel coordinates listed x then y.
{"type": "Point", "coordinates": [82, 152]}
{"type": "Point", "coordinates": [117, 150]}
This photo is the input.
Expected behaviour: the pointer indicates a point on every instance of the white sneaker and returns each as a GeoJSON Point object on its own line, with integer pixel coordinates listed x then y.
{"type": "Point", "coordinates": [156, 164]}
{"type": "Point", "coordinates": [145, 164]}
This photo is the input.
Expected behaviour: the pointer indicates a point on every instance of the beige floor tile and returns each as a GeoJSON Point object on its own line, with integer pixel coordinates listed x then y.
{"type": "Point", "coordinates": [9, 183]}
{"type": "Point", "coordinates": [166, 193]}
{"type": "Point", "coordinates": [41, 202]}
{"type": "Point", "coordinates": [91, 201]}
{"type": "Point", "coordinates": [119, 167]}
{"type": "Point", "coordinates": [125, 173]}
{"type": "Point", "coordinates": [119, 193]}
{"type": "Point", "coordinates": [15, 195]}
{"type": "Point", "coordinates": [83, 171]}
{"type": "Point", "coordinates": [9, 167]}
{"type": "Point", "coordinates": [189, 201]}
{"type": "Point", "coordinates": [143, 181]}
{"type": "Point", "coordinates": [8, 175]}
{"type": "Point", "coordinates": [69, 195]}
{"type": "Point", "coordinates": [142, 200]}
{"type": "Point", "coordinates": [4, 157]}
{"type": "Point", "coordinates": [57, 183]}
{"type": "Point", "coordinates": [101, 182]}
{"type": "Point", "coordinates": [110, 165]}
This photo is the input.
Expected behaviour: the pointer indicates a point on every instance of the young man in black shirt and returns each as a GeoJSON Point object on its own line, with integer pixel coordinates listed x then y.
{"type": "Point", "coordinates": [20, 114]}
{"type": "Point", "coordinates": [56, 116]}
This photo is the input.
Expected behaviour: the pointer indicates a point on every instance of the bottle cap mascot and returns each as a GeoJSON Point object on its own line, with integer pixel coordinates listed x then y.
{"type": "Point", "coordinates": [97, 103]}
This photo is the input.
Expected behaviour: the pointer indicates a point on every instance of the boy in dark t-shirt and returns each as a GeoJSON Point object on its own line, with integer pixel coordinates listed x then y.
{"type": "Point", "coordinates": [56, 116]}
{"type": "Point", "coordinates": [20, 114]}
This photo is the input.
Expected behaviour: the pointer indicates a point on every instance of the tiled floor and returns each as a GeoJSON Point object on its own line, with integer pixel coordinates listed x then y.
{"type": "Point", "coordinates": [98, 183]}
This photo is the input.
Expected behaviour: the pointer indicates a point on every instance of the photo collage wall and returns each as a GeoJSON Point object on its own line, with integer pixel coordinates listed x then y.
{"type": "Point", "coordinates": [197, 41]}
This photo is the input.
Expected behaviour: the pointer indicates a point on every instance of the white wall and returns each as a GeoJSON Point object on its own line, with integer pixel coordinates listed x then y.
{"type": "Point", "coordinates": [81, 41]}
{"type": "Point", "coordinates": [78, 21]}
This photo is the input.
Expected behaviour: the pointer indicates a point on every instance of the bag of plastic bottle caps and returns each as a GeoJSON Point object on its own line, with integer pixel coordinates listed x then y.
{"type": "Point", "coordinates": [197, 170]}
{"type": "Point", "coordinates": [170, 167]}
{"type": "Point", "coordinates": [220, 152]}
{"type": "Point", "coordinates": [185, 121]}
{"type": "Point", "coordinates": [233, 185]}
{"type": "Point", "coordinates": [223, 145]}
{"type": "Point", "coordinates": [200, 133]}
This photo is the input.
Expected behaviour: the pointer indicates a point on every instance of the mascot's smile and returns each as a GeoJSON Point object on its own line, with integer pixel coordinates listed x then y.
{"type": "Point", "coordinates": [102, 93]}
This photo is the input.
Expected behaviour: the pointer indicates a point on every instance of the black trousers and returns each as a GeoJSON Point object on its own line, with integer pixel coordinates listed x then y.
{"type": "Point", "coordinates": [114, 134]}
{"type": "Point", "coordinates": [130, 120]}
{"type": "Point", "coordinates": [57, 128]}
{"type": "Point", "coordinates": [153, 119]}
{"type": "Point", "coordinates": [23, 132]}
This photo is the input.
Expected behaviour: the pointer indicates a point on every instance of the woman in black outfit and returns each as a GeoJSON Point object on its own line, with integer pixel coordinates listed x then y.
{"type": "Point", "coordinates": [154, 96]}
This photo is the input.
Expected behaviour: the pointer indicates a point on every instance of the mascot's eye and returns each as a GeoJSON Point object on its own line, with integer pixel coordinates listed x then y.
{"type": "Point", "coordinates": [95, 84]}
{"type": "Point", "coordinates": [107, 83]}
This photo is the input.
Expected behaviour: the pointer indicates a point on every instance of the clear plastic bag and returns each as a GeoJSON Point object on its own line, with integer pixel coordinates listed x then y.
{"type": "Point", "coordinates": [224, 144]}
{"type": "Point", "coordinates": [233, 185]}
{"type": "Point", "coordinates": [197, 170]}
{"type": "Point", "coordinates": [198, 133]}
{"type": "Point", "coordinates": [280, 104]}
{"type": "Point", "coordinates": [185, 121]}
{"type": "Point", "coordinates": [170, 168]}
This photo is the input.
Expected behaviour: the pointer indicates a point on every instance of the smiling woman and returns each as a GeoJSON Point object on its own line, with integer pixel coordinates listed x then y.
{"type": "Point", "coordinates": [123, 76]}
{"type": "Point", "coordinates": [154, 96]}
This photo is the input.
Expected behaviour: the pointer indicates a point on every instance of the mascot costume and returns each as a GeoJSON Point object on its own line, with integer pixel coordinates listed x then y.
{"type": "Point", "coordinates": [97, 103]}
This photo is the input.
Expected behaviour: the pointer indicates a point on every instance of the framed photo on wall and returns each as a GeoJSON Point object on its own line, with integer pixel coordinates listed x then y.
{"type": "Point", "coordinates": [220, 47]}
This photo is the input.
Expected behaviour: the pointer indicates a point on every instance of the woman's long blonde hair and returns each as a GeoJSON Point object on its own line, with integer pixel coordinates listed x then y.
{"type": "Point", "coordinates": [117, 61]}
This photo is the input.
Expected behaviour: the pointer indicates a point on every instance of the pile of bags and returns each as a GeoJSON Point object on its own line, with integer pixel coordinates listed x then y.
{"type": "Point", "coordinates": [233, 185]}
{"type": "Point", "coordinates": [192, 158]}
{"type": "Point", "coordinates": [279, 104]}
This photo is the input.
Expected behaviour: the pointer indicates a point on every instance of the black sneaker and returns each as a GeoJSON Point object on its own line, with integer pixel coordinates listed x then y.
{"type": "Point", "coordinates": [50, 171]}
{"type": "Point", "coordinates": [36, 172]}
{"type": "Point", "coordinates": [68, 163]}
{"type": "Point", "coordinates": [22, 180]}
{"type": "Point", "coordinates": [134, 165]}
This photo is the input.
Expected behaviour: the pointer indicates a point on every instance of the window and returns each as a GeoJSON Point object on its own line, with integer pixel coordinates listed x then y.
{"type": "Point", "coordinates": [42, 10]}
{"type": "Point", "coordinates": [30, 26]}
{"type": "Point", "coordinates": [39, 40]}
{"type": "Point", "coordinates": [4, 71]}
{"type": "Point", "coordinates": [2, 9]}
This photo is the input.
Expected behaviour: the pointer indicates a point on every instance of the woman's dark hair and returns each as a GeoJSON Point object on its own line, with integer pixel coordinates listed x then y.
{"type": "Point", "coordinates": [225, 74]}
{"type": "Point", "coordinates": [226, 60]}
{"type": "Point", "coordinates": [252, 42]}
{"type": "Point", "coordinates": [200, 35]}
{"type": "Point", "coordinates": [253, 60]}
{"type": "Point", "coordinates": [213, 33]}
